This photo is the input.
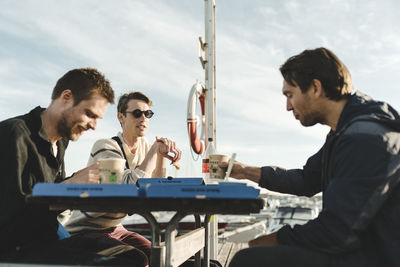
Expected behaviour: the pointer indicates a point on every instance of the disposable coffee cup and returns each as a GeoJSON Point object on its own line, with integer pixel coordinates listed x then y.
{"type": "Point", "coordinates": [111, 170]}
{"type": "Point", "coordinates": [215, 171]}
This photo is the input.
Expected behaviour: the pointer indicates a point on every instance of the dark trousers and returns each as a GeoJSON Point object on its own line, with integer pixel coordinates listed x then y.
{"type": "Point", "coordinates": [111, 247]}
{"type": "Point", "coordinates": [279, 256]}
{"type": "Point", "coordinates": [61, 253]}
{"type": "Point", "coordinates": [115, 236]}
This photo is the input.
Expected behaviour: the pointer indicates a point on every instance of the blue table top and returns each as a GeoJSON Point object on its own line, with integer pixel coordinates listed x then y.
{"type": "Point", "coordinates": [150, 188]}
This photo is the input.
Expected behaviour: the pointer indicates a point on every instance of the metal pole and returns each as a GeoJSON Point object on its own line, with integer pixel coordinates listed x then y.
{"type": "Point", "coordinates": [207, 257]}
{"type": "Point", "coordinates": [210, 103]}
{"type": "Point", "coordinates": [210, 83]}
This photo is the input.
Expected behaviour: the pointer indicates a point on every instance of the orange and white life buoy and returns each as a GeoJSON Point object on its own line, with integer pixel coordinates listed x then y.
{"type": "Point", "coordinates": [197, 143]}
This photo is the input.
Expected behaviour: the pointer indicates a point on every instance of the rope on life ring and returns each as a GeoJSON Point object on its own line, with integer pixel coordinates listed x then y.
{"type": "Point", "coordinates": [197, 143]}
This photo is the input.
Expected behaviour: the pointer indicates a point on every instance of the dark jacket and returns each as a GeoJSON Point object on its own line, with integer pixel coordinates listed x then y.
{"type": "Point", "coordinates": [358, 171]}
{"type": "Point", "coordinates": [25, 159]}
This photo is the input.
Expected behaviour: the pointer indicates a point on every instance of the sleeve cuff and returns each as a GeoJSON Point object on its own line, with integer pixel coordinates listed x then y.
{"type": "Point", "coordinates": [131, 176]}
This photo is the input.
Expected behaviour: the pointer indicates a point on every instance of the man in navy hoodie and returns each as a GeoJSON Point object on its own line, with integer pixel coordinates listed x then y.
{"type": "Point", "coordinates": [357, 170]}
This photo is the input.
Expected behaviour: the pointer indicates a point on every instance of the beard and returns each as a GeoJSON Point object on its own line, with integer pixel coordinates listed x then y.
{"type": "Point", "coordinates": [312, 118]}
{"type": "Point", "coordinates": [69, 130]}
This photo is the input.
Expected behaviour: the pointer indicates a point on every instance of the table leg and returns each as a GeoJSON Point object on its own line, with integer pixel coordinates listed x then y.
{"type": "Point", "coordinates": [206, 262]}
{"type": "Point", "coordinates": [198, 254]}
{"type": "Point", "coordinates": [154, 226]}
{"type": "Point", "coordinates": [157, 251]}
{"type": "Point", "coordinates": [170, 237]}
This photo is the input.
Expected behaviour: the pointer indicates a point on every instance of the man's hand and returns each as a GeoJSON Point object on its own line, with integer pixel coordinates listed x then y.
{"type": "Point", "coordinates": [265, 240]}
{"type": "Point", "coordinates": [88, 175]}
{"type": "Point", "coordinates": [238, 169]}
{"type": "Point", "coordinates": [243, 171]}
{"type": "Point", "coordinates": [168, 149]}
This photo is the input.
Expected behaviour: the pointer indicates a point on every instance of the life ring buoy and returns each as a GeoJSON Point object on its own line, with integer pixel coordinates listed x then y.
{"type": "Point", "coordinates": [197, 143]}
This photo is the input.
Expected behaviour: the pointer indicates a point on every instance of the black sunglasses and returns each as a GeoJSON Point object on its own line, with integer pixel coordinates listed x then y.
{"type": "Point", "coordinates": [137, 113]}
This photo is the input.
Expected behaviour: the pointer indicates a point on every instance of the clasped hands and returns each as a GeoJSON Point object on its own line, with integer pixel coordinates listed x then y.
{"type": "Point", "coordinates": [168, 149]}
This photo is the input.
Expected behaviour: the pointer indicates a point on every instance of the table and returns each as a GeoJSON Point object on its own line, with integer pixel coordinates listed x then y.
{"type": "Point", "coordinates": [175, 250]}
{"type": "Point", "coordinates": [180, 195]}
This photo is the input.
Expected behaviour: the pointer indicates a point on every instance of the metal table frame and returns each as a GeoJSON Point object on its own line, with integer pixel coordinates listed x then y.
{"type": "Point", "coordinates": [144, 206]}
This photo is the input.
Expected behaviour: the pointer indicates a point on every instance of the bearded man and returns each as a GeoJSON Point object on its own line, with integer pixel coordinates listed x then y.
{"type": "Point", "coordinates": [32, 148]}
{"type": "Point", "coordinates": [357, 170]}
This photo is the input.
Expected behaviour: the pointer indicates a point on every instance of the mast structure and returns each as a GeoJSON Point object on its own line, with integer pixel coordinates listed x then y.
{"type": "Point", "coordinates": [210, 72]}
{"type": "Point", "coordinates": [208, 63]}
{"type": "Point", "coordinates": [207, 49]}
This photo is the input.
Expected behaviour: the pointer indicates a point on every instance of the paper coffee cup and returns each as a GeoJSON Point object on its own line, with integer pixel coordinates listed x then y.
{"type": "Point", "coordinates": [215, 171]}
{"type": "Point", "coordinates": [111, 170]}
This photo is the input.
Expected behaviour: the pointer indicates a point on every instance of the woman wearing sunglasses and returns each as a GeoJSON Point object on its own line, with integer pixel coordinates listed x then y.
{"type": "Point", "coordinates": [142, 160]}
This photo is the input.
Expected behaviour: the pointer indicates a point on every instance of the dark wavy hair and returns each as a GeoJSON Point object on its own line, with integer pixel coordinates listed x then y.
{"type": "Point", "coordinates": [124, 99]}
{"type": "Point", "coordinates": [323, 65]}
{"type": "Point", "coordinates": [83, 83]}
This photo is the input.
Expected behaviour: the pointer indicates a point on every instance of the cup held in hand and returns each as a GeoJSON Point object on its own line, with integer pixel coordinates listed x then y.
{"type": "Point", "coordinates": [111, 170]}
{"type": "Point", "coordinates": [217, 172]}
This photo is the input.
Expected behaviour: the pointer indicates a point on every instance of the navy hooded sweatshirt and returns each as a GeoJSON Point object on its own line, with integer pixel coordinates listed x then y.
{"type": "Point", "coordinates": [358, 172]}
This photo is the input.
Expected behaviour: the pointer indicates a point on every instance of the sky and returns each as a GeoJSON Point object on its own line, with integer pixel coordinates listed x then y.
{"type": "Point", "coordinates": [152, 46]}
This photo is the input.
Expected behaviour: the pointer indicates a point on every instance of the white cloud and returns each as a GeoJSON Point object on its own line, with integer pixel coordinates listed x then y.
{"type": "Point", "coordinates": [152, 46]}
